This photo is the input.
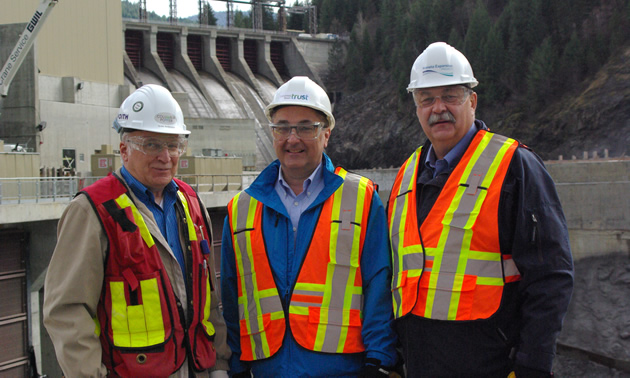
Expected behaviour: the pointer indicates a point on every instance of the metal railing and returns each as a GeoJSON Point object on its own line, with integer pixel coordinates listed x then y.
{"type": "Point", "coordinates": [20, 190]}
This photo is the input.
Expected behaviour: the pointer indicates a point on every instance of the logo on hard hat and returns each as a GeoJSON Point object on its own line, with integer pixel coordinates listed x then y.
{"type": "Point", "coordinates": [123, 116]}
{"type": "Point", "coordinates": [137, 106]}
{"type": "Point", "coordinates": [295, 97]}
{"type": "Point", "coordinates": [166, 118]}
{"type": "Point", "coordinates": [441, 69]}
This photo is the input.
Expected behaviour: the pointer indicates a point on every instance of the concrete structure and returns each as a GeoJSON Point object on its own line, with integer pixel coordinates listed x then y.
{"type": "Point", "coordinates": [61, 105]}
{"type": "Point", "coordinates": [87, 60]}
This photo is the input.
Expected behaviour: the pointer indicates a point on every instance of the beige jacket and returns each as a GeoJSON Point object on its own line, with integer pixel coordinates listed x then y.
{"type": "Point", "coordinates": [73, 287]}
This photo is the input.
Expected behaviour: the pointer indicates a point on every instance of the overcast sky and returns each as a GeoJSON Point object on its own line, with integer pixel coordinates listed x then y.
{"type": "Point", "coordinates": [187, 8]}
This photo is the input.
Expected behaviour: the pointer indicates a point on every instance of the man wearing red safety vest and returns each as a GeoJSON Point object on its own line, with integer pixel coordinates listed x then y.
{"type": "Point", "coordinates": [130, 289]}
{"type": "Point", "coordinates": [305, 266]}
{"type": "Point", "coordinates": [482, 269]}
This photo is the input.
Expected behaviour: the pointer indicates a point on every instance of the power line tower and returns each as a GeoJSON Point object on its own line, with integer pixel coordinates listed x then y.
{"type": "Point", "coordinates": [172, 11]}
{"type": "Point", "coordinates": [257, 18]}
{"type": "Point", "coordinates": [230, 13]}
{"type": "Point", "coordinates": [142, 11]}
{"type": "Point", "coordinates": [203, 12]}
{"type": "Point", "coordinates": [282, 16]}
{"type": "Point", "coordinates": [311, 11]}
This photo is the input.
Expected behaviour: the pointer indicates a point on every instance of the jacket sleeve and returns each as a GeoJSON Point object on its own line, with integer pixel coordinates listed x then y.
{"type": "Point", "coordinates": [229, 292]}
{"type": "Point", "coordinates": [216, 316]}
{"type": "Point", "coordinates": [378, 334]}
{"type": "Point", "coordinates": [72, 290]}
{"type": "Point", "coordinates": [540, 249]}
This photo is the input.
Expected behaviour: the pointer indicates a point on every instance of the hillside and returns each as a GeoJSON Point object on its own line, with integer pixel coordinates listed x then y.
{"type": "Point", "coordinates": [552, 74]}
{"type": "Point", "coordinates": [376, 130]}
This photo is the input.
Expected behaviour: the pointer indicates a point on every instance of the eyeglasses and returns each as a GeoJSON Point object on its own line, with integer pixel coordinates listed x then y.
{"type": "Point", "coordinates": [154, 146]}
{"type": "Point", "coordinates": [305, 131]}
{"type": "Point", "coordinates": [450, 96]}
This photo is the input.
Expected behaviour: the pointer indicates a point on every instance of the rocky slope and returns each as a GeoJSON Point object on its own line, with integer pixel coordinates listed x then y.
{"type": "Point", "coordinates": [376, 130]}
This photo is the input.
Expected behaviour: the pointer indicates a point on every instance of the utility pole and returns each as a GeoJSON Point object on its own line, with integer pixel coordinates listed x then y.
{"type": "Point", "coordinates": [203, 13]}
{"type": "Point", "coordinates": [230, 14]}
{"type": "Point", "coordinates": [257, 18]}
{"type": "Point", "coordinates": [142, 12]}
{"type": "Point", "coordinates": [172, 12]}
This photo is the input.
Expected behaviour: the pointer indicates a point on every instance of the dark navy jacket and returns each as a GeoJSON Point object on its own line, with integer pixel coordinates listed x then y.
{"type": "Point", "coordinates": [532, 228]}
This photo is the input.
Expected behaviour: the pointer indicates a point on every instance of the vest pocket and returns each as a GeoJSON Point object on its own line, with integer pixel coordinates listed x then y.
{"type": "Point", "coordinates": [141, 326]}
{"type": "Point", "coordinates": [139, 315]}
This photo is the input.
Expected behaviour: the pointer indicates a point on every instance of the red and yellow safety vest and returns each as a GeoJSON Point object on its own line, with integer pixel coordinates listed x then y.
{"type": "Point", "coordinates": [325, 312]}
{"type": "Point", "coordinates": [451, 268]}
{"type": "Point", "coordinates": [140, 320]}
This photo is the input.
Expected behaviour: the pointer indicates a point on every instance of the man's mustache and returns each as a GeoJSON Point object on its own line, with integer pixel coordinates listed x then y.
{"type": "Point", "coordinates": [446, 116]}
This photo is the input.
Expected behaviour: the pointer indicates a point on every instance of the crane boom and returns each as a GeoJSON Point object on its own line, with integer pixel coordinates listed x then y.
{"type": "Point", "coordinates": [24, 44]}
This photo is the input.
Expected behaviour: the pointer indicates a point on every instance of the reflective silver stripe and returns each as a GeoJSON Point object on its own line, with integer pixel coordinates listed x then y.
{"type": "Point", "coordinates": [269, 304]}
{"type": "Point", "coordinates": [453, 246]}
{"type": "Point", "coordinates": [343, 252]}
{"type": "Point", "coordinates": [510, 269]}
{"type": "Point", "coordinates": [414, 260]}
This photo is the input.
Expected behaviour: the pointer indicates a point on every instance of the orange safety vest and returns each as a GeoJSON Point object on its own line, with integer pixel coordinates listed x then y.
{"type": "Point", "coordinates": [451, 268]}
{"type": "Point", "coordinates": [325, 312]}
{"type": "Point", "coordinates": [140, 321]}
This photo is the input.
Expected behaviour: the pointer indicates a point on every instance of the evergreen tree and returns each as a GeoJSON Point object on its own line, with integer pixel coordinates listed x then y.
{"type": "Point", "coordinates": [269, 21]}
{"type": "Point", "coordinates": [354, 67]}
{"type": "Point", "coordinates": [212, 19]}
{"type": "Point", "coordinates": [489, 74]}
{"type": "Point", "coordinates": [326, 14]}
{"type": "Point", "coordinates": [367, 52]}
{"type": "Point", "coordinates": [441, 20]}
{"type": "Point", "coordinates": [477, 34]}
{"type": "Point", "coordinates": [539, 74]}
{"type": "Point", "coordinates": [572, 62]}
{"type": "Point", "coordinates": [242, 20]}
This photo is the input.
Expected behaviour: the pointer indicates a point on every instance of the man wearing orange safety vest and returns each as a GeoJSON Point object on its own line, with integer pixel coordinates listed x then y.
{"type": "Point", "coordinates": [130, 289]}
{"type": "Point", "coordinates": [482, 268]}
{"type": "Point", "coordinates": [305, 265]}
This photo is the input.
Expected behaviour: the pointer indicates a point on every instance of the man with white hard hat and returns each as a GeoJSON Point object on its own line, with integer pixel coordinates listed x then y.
{"type": "Point", "coordinates": [305, 264]}
{"type": "Point", "coordinates": [130, 289]}
{"type": "Point", "coordinates": [482, 268]}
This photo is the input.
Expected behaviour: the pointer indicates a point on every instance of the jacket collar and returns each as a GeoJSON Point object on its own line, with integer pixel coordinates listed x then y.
{"type": "Point", "coordinates": [263, 188]}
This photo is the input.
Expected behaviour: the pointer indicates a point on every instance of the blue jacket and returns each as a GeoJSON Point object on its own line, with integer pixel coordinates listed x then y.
{"type": "Point", "coordinates": [286, 255]}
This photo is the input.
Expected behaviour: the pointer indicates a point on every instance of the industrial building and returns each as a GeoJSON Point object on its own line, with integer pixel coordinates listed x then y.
{"type": "Point", "coordinates": [59, 110]}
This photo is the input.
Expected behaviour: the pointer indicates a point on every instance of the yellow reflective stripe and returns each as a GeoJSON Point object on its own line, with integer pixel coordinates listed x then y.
{"type": "Point", "coordinates": [138, 334]}
{"type": "Point", "coordinates": [490, 281]}
{"type": "Point", "coordinates": [351, 289]}
{"type": "Point", "coordinates": [299, 310]}
{"type": "Point", "coordinates": [153, 310]}
{"type": "Point", "coordinates": [465, 254]}
{"type": "Point", "coordinates": [139, 325]}
{"type": "Point", "coordinates": [403, 250]}
{"type": "Point", "coordinates": [310, 286]}
{"type": "Point", "coordinates": [192, 234]}
{"type": "Point", "coordinates": [205, 319]}
{"type": "Point", "coordinates": [123, 201]}
{"type": "Point", "coordinates": [120, 329]}
{"type": "Point", "coordinates": [97, 326]}
{"type": "Point", "coordinates": [238, 252]}
{"type": "Point", "coordinates": [485, 256]}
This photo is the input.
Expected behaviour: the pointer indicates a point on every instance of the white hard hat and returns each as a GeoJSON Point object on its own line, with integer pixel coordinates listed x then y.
{"type": "Point", "coordinates": [151, 108]}
{"type": "Point", "coordinates": [440, 65]}
{"type": "Point", "coordinates": [302, 91]}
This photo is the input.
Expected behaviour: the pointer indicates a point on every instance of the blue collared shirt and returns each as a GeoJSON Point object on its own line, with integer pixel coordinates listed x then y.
{"type": "Point", "coordinates": [296, 205]}
{"type": "Point", "coordinates": [452, 157]}
{"type": "Point", "coordinates": [165, 216]}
